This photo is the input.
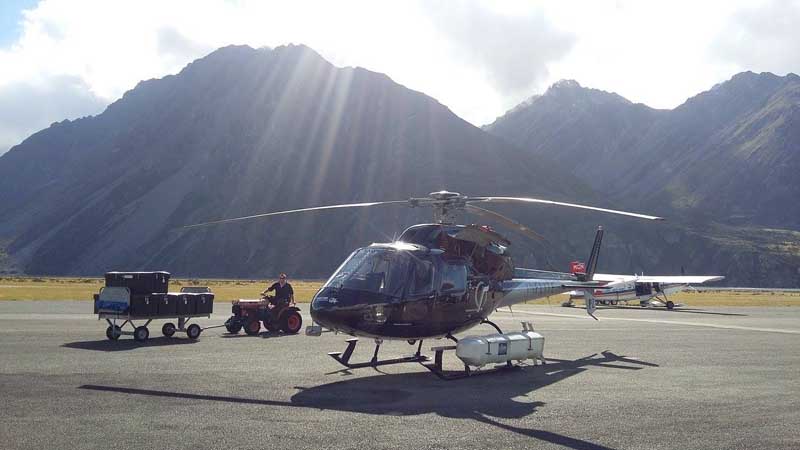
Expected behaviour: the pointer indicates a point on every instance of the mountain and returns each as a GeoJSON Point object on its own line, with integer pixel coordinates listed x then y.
{"type": "Point", "coordinates": [730, 154]}
{"type": "Point", "coordinates": [238, 132]}
{"type": "Point", "coordinates": [243, 131]}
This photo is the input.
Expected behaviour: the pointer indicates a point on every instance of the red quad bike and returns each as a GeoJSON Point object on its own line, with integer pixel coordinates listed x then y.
{"type": "Point", "coordinates": [275, 315]}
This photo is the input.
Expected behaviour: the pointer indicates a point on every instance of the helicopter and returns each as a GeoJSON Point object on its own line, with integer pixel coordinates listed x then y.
{"type": "Point", "coordinates": [437, 279]}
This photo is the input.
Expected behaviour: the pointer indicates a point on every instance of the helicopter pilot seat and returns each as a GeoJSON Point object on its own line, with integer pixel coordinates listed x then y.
{"type": "Point", "coordinates": [374, 281]}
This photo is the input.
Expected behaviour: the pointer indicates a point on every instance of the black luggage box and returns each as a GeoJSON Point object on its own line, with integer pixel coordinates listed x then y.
{"type": "Point", "coordinates": [144, 305]}
{"type": "Point", "coordinates": [205, 303]}
{"type": "Point", "coordinates": [167, 305]}
{"type": "Point", "coordinates": [139, 283]}
{"type": "Point", "coordinates": [186, 304]}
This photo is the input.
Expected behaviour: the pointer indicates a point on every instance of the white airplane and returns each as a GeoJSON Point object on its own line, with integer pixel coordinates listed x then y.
{"type": "Point", "coordinates": [647, 290]}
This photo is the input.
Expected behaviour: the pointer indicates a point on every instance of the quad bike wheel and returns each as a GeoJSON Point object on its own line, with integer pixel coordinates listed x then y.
{"type": "Point", "coordinates": [291, 322]}
{"type": "Point", "coordinates": [233, 325]}
{"type": "Point", "coordinates": [252, 328]}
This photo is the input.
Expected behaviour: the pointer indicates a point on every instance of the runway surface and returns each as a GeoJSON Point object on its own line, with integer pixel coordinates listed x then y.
{"type": "Point", "coordinates": [723, 378]}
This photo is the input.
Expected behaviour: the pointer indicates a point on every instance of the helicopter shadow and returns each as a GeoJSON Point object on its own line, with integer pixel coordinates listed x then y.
{"type": "Point", "coordinates": [507, 395]}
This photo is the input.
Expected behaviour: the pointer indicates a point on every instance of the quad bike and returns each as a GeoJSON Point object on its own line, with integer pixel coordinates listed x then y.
{"type": "Point", "coordinates": [275, 315]}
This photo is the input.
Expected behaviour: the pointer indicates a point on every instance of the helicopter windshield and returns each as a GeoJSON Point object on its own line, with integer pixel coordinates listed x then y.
{"type": "Point", "coordinates": [377, 270]}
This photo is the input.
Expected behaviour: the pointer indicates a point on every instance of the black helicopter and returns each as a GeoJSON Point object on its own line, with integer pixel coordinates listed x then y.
{"type": "Point", "coordinates": [436, 279]}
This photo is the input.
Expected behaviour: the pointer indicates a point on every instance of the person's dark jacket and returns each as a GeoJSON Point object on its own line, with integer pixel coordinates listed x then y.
{"type": "Point", "coordinates": [284, 292]}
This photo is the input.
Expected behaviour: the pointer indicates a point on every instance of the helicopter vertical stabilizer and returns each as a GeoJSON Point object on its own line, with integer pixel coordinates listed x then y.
{"type": "Point", "coordinates": [591, 263]}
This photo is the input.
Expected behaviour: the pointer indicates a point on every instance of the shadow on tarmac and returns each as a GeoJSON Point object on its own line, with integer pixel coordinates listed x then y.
{"type": "Point", "coordinates": [263, 335]}
{"type": "Point", "coordinates": [106, 345]}
{"type": "Point", "coordinates": [679, 310]}
{"type": "Point", "coordinates": [505, 395]}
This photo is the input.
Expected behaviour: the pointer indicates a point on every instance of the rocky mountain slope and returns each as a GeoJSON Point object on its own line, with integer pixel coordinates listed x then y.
{"type": "Point", "coordinates": [238, 132]}
{"type": "Point", "coordinates": [731, 154]}
{"type": "Point", "coordinates": [244, 131]}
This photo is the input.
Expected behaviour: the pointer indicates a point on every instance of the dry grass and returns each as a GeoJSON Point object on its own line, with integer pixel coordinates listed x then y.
{"type": "Point", "coordinates": [50, 288]}
{"type": "Point", "coordinates": [45, 288]}
{"type": "Point", "coordinates": [711, 298]}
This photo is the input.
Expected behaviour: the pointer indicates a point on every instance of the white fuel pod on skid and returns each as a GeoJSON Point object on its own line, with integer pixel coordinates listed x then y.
{"type": "Point", "coordinates": [499, 348]}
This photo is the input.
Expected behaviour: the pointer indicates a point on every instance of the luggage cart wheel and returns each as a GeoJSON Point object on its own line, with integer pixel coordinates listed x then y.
{"type": "Point", "coordinates": [141, 334]}
{"type": "Point", "coordinates": [113, 333]}
{"type": "Point", "coordinates": [193, 331]}
{"type": "Point", "coordinates": [168, 329]}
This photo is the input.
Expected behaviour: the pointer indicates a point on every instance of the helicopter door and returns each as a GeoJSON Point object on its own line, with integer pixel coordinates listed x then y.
{"type": "Point", "coordinates": [417, 305]}
{"type": "Point", "coordinates": [451, 302]}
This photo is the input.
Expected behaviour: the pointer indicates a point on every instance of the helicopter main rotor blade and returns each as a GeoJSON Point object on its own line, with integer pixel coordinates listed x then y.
{"type": "Point", "coordinates": [510, 223]}
{"type": "Point", "coordinates": [292, 211]}
{"type": "Point", "coordinates": [550, 202]}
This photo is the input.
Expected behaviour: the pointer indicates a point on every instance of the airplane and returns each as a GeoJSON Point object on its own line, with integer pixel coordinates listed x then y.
{"type": "Point", "coordinates": [647, 290]}
{"type": "Point", "coordinates": [437, 279]}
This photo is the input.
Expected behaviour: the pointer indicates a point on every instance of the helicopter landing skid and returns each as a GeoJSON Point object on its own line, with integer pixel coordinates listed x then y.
{"type": "Point", "coordinates": [449, 375]}
{"type": "Point", "coordinates": [343, 358]}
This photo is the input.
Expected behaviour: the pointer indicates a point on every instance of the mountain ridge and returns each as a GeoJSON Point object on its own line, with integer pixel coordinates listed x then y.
{"type": "Point", "coordinates": [243, 131]}
{"type": "Point", "coordinates": [214, 141]}
{"type": "Point", "coordinates": [681, 157]}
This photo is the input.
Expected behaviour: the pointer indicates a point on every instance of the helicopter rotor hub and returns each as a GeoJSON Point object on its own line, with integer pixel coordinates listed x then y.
{"type": "Point", "coordinates": [445, 205]}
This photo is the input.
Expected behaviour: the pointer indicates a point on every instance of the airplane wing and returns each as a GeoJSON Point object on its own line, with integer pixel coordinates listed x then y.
{"type": "Point", "coordinates": [689, 279]}
{"type": "Point", "coordinates": [611, 277]}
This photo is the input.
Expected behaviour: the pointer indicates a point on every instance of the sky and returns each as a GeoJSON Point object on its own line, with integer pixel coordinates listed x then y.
{"type": "Point", "coordinates": [64, 59]}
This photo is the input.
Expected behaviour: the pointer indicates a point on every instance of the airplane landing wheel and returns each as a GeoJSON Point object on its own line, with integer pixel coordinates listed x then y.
{"type": "Point", "coordinates": [670, 305]}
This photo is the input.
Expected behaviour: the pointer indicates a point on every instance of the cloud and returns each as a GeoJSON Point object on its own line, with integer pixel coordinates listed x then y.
{"type": "Point", "coordinates": [513, 50]}
{"type": "Point", "coordinates": [762, 38]}
{"type": "Point", "coordinates": [29, 107]}
{"type": "Point", "coordinates": [478, 57]}
{"type": "Point", "coordinates": [172, 43]}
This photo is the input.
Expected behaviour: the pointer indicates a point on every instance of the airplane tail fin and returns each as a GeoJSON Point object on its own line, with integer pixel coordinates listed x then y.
{"type": "Point", "coordinates": [591, 263]}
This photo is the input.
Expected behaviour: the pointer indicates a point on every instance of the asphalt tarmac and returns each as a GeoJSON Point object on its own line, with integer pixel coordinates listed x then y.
{"type": "Point", "coordinates": [723, 378]}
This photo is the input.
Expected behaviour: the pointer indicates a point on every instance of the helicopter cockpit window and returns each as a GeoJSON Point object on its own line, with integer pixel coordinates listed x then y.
{"type": "Point", "coordinates": [454, 278]}
{"type": "Point", "coordinates": [376, 270]}
{"type": "Point", "coordinates": [421, 277]}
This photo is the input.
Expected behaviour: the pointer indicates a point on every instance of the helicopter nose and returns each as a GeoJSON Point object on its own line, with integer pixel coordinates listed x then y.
{"type": "Point", "coordinates": [323, 311]}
